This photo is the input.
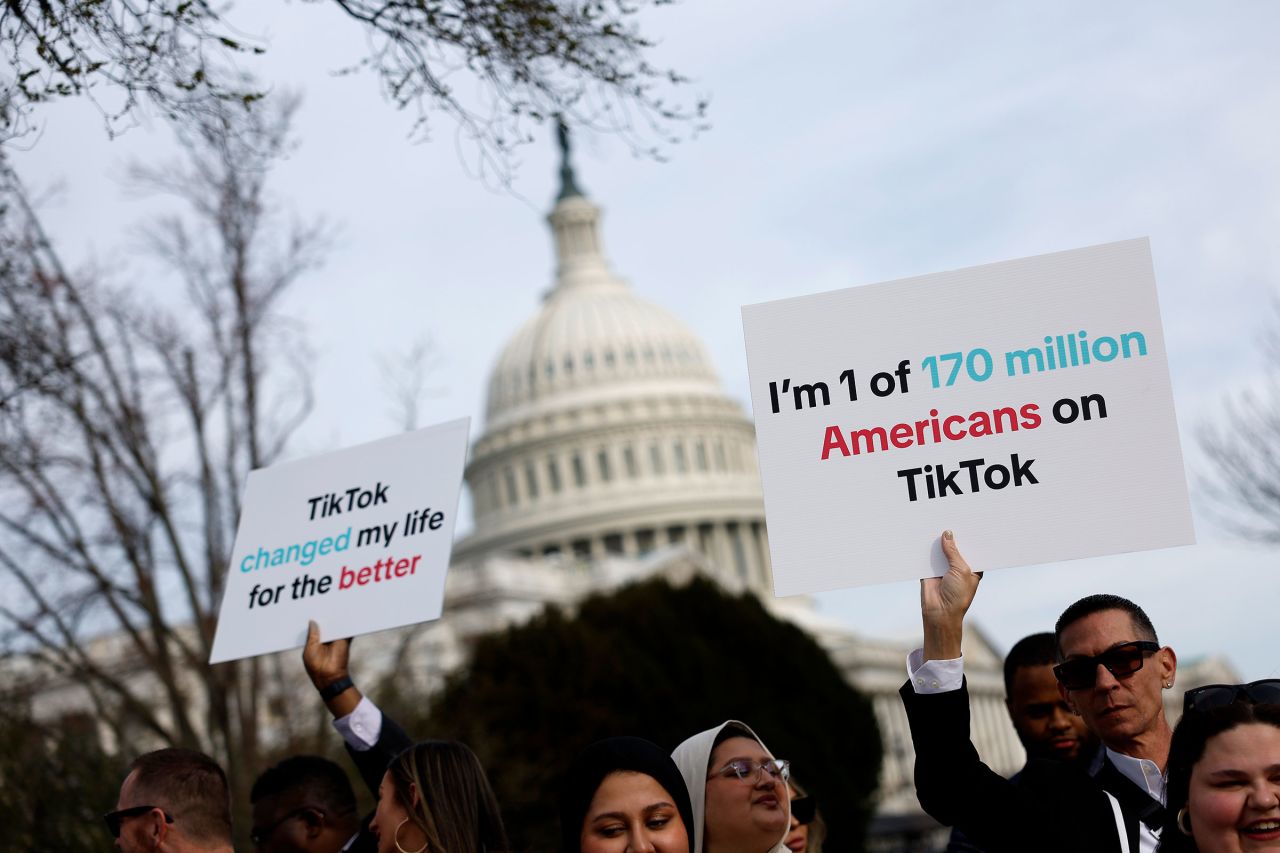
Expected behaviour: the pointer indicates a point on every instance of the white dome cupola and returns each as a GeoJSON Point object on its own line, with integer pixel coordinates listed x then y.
{"type": "Point", "coordinates": [607, 430]}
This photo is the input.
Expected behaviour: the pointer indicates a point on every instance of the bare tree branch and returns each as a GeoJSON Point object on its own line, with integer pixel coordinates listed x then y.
{"type": "Point", "coordinates": [1243, 446]}
{"type": "Point", "coordinates": [405, 377]}
{"type": "Point", "coordinates": [126, 434]}
{"type": "Point", "coordinates": [525, 60]}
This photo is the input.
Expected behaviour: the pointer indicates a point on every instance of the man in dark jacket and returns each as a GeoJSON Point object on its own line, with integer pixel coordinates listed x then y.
{"type": "Point", "coordinates": [1112, 670]}
{"type": "Point", "coordinates": [1046, 725]}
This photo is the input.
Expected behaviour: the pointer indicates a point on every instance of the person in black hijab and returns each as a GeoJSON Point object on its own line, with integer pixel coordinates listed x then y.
{"type": "Point", "coordinates": [625, 791]}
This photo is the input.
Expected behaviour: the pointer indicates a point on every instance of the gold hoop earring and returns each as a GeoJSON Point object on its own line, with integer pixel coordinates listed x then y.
{"type": "Point", "coordinates": [1184, 821]}
{"type": "Point", "coordinates": [396, 839]}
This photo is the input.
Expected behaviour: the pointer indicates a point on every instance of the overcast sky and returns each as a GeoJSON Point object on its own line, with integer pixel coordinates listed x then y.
{"type": "Point", "coordinates": [850, 143]}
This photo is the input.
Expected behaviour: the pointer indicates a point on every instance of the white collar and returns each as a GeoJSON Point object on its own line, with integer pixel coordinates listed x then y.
{"type": "Point", "coordinates": [1142, 772]}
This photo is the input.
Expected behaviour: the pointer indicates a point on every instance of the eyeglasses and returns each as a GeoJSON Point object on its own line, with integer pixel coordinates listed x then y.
{"type": "Point", "coordinates": [116, 818]}
{"type": "Point", "coordinates": [804, 809]}
{"type": "Point", "coordinates": [258, 836]}
{"type": "Point", "coordinates": [745, 768]}
{"type": "Point", "coordinates": [1121, 661]}
{"type": "Point", "coordinates": [1266, 691]}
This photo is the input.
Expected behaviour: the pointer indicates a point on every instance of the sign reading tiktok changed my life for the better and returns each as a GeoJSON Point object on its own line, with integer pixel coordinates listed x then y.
{"type": "Point", "coordinates": [1025, 405]}
{"type": "Point", "coordinates": [358, 540]}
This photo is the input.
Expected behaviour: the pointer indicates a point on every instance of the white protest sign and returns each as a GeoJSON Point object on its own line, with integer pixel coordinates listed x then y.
{"type": "Point", "coordinates": [1025, 405]}
{"type": "Point", "coordinates": [358, 539]}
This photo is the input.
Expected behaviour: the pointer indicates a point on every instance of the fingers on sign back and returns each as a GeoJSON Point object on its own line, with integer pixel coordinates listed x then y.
{"type": "Point", "coordinates": [954, 556]}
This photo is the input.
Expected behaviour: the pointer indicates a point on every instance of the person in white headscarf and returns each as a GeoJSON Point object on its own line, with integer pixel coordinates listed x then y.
{"type": "Point", "coordinates": [738, 791]}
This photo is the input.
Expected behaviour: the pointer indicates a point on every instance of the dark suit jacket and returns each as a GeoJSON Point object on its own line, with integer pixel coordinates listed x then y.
{"type": "Point", "coordinates": [372, 764]}
{"type": "Point", "coordinates": [961, 843]}
{"type": "Point", "coordinates": [1052, 808]}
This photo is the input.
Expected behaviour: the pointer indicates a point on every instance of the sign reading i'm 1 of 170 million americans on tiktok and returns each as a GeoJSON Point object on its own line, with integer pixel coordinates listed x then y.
{"type": "Point", "coordinates": [358, 540]}
{"type": "Point", "coordinates": [1025, 405]}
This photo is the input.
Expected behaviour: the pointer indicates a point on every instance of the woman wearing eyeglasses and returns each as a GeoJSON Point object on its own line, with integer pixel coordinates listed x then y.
{"type": "Point", "coordinates": [738, 791]}
{"type": "Point", "coordinates": [1224, 771]}
{"type": "Point", "coordinates": [625, 794]}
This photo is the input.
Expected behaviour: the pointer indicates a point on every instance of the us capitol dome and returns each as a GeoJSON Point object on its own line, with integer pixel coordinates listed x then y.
{"type": "Point", "coordinates": [607, 431]}
{"type": "Point", "coordinates": [610, 452]}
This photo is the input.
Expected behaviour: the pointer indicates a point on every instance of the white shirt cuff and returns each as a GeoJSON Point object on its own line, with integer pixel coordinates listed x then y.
{"type": "Point", "coordinates": [934, 676]}
{"type": "Point", "coordinates": [362, 727]}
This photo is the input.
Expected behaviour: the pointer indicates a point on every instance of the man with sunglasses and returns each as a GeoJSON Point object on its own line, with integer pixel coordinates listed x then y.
{"type": "Point", "coordinates": [305, 804]}
{"type": "Point", "coordinates": [173, 801]}
{"type": "Point", "coordinates": [1111, 671]}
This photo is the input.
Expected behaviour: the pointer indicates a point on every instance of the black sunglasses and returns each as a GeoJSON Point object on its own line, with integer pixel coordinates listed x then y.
{"type": "Point", "coordinates": [114, 819]}
{"type": "Point", "coordinates": [257, 836]}
{"type": "Point", "coordinates": [1121, 661]}
{"type": "Point", "coordinates": [804, 809]}
{"type": "Point", "coordinates": [1264, 692]}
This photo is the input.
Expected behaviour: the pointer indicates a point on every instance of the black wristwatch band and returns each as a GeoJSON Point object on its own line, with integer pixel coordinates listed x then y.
{"type": "Point", "coordinates": [332, 690]}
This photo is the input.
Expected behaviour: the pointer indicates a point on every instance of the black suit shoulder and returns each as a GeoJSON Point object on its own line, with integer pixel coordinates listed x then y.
{"type": "Point", "coordinates": [1053, 807]}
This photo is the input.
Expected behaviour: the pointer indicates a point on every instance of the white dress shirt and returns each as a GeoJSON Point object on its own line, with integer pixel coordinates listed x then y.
{"type": "Point", "coordinates": [361, 728]}
{"type": "Point", "coordinates": [934, 676]}
{"type": "Point", "coordinates": [1147, 776]}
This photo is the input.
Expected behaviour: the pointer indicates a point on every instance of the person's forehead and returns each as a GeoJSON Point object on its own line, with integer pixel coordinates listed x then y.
{"type": "Point", "coordinates": [266, 809]}
{"type": "Point", "coordinates": [1097, 632]}
{"type": "Point", "coordinates": [627, 789]}
{"type": "Point", "coordinates": [739, 746]}
{"type": "Point", "coordinates": [1035, 683]}
{"type": "Point", "coordinates": [1243, 747]}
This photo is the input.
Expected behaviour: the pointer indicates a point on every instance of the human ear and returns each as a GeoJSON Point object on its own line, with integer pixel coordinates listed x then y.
{"type": "Point", "coordinates": [159, 826]}
{"type": "Point", "coordinates": [314, 822]}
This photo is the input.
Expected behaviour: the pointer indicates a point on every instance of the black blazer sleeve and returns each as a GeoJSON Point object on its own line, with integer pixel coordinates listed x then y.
{"type": "Point", "coordinates": [372, 763]}
{"type": "Point", "coordinates": [1051, 808]}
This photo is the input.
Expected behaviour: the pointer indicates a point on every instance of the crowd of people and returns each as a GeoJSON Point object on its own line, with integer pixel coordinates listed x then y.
{"type": "Point", "coordinates": [1104, 772]}
{"type": "Point", "coordinates": [1213, 786]}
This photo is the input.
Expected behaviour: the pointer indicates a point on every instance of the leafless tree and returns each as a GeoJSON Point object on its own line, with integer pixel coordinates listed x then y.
{"type": "Point", "coordinates": [405, 375]}
{"type": "Point", "coordinates": [127, 430]}
{"type": "Point", "coordinates": [526, 60]}
{"type": "Point", "coordinates": [1243, 446]}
